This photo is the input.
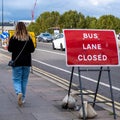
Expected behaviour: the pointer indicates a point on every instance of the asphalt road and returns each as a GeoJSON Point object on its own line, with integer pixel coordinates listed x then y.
{"type": "Point", "coordinates": [54, 61]}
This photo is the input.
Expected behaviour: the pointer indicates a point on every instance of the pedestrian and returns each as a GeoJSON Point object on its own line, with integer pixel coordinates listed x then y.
{"type": "Point", "coordinates": [21, 46]}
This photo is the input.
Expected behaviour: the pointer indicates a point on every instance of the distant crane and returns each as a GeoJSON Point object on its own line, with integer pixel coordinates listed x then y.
{"type": "Point", "coordinates": [33, 10]}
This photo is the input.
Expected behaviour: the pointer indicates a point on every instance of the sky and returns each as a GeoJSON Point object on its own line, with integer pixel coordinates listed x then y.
{"type": "Point", "coordinates": [14, 10]}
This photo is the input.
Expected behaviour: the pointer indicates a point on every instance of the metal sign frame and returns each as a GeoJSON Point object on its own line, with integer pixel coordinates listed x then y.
{"type": "Point", "coordinates": [101, 69]}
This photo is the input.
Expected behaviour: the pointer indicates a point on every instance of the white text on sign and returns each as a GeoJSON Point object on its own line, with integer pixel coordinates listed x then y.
{"type": "Point", "coordinates": [99, 57]}
{"type": "Point", "coordinates": [92, 47]}
{"type": "Point", "coordinates": [90, 36]}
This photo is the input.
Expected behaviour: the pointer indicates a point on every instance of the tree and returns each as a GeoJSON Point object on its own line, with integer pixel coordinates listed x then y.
{"type": "Point", "coordinates": [91, 22]}
{"type": "Point", "coordinates": [107, 22]}
{"type": "Point", "coordinates": [72, 19]}
{"type": "Point", "coordinates": [81, 21]}
{"type": "Point", "coordinates": [34, 28]}
{"type": "Point", "coordinates": [47, 20]}
{"type": "Point", "coordinates": [69, 19]}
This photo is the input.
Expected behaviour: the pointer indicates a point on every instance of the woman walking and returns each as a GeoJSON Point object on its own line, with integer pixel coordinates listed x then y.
{"type": "Point", "coordinates": [21, 47]}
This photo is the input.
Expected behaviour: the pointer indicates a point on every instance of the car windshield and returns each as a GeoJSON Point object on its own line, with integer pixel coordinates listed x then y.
{"type": "Point", "coordinates": [61, 35]}
{"type": "Point", "coordinates": [46, 34]}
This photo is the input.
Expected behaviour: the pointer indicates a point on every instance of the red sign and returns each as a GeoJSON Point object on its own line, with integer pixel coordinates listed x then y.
{"type": "Point", "coordinates": [91, 47]}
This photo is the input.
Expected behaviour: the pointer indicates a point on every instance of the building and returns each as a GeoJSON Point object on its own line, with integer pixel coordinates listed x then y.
{"type": "Point", "coordinates": [27, 22]}
{"type": "Point", "coordinates": [7, 26]}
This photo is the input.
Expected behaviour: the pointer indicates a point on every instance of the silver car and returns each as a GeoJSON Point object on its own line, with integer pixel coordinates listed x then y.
{"type": "Point", "coordinates": [45, 37]}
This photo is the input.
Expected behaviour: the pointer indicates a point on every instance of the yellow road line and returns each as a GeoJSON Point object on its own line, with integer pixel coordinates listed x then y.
{"type": "Point", "coordinates": [103, 98]}
{"type": "Point", "coordinates": [65, 82]}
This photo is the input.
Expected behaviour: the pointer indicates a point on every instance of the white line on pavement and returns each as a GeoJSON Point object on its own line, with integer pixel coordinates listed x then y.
{"type": "Point", "coordinates": [87, 78]}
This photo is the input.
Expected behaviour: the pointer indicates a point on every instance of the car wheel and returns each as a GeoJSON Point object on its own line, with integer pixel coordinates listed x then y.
{"type": "Point", "coordinates": [61, 47]}
{"type": "Point", "coordinates": [53, 46]}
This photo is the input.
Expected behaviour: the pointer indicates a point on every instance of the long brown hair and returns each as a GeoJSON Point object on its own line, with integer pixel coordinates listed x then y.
{"type": "Point", "coordinates": [21, 32]}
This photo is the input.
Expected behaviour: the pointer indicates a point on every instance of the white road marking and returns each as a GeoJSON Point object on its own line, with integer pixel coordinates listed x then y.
{"type": "Point", "coordinates": [87, 78]}
{"type": "Point", "coordinates": [51, 52]}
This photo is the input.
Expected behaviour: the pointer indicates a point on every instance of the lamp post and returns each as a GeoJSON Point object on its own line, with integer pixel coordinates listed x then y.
{"type": "Point", "coordinates": [2, 17]}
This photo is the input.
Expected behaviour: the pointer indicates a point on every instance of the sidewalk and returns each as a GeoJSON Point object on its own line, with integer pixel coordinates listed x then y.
{"type": "Point", "coordinates": [43, 100]}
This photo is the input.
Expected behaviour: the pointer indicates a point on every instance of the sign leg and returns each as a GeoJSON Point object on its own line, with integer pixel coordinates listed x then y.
{"type": "Point", "coordinates": [70, 81]}
{"type": "Point", "coordinates": [81, 93]}
{"type": "Point", "coordinates": [111, 92]}
{"type": "Point", "coordinates": [97, 86]}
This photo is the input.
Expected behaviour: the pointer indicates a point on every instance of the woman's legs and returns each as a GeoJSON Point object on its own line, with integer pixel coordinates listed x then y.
{"type": "Point", "coordinates": [25, 75]}
{"type": "Point", "coordinates": [20, 79]}
{"type": "Point", "coordinates": [17, 78]}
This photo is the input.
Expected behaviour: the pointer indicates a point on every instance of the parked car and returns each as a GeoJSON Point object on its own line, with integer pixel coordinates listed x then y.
{"type": "Point", "coordinates": [118, 36]}
{"type": "Point", "coordinates": [118, 39]}
{"type": "Point", "coordinates": [45, 37]}
{"type": "Point", "coordinates": [58, 42]}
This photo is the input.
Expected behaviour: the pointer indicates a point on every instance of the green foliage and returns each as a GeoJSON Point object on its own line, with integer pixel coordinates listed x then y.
{"type": "Point", "coordinates": [91, 22]}
{"type": "Point", "coordinates": [81, 23]}
{"type": "Point", "coordinates": [72, 19]}
{"type": "Point", "coordinates": [44, 22]}
{"type": "Point", "coordinates": [106, 22]}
